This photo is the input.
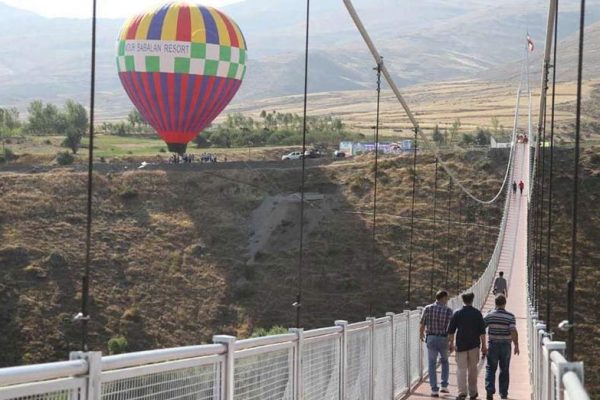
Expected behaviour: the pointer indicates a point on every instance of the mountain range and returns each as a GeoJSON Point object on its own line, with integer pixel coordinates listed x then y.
{"type": "Point", "coordinates": [421, 41]}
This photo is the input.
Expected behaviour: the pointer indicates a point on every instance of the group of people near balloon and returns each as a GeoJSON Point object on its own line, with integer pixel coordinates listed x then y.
{"type": "Point", "coordinates": [191, 158]}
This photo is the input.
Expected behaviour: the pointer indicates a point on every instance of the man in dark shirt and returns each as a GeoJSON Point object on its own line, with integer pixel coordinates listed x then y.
{"type": "Point", "coordinates": [469, 323]}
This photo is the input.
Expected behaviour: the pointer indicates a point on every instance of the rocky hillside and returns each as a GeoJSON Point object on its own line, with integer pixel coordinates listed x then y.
{"type": "Point", "coordinates": [181, 255]}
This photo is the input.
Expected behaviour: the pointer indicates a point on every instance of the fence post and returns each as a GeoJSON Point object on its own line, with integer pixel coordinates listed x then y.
{"type": "Point", "coordinates": [343, 358]}
{"type": "Point", "coordinates": [229, 373]}
{"type": "Point", "coordinates": [94, 381]}
{"type": "Point", "coordinates": [540, 330]}
{"type": "Point", "coordinates": [561, 369]}
{"type": "Point", "coordinates": [372, 359]}
{"type": "Point", "coordinates": [549, 348]}
{"type": "Point", "coordinates": [298, 376]}
{"type": "Point", "coordinates": [393, 357]}
{"type": "Point", "coordinates": [406, 315]}
{"type": "Point", "coordinates": [421, 350]}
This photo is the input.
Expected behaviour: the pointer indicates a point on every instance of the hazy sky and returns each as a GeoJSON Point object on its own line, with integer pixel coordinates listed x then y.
{"type": "Point", "coordinates": [106, 8]}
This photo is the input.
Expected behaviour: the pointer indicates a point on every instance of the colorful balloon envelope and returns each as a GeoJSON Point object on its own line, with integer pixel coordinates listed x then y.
{"type": "Point", "coordinates": [181, 64]}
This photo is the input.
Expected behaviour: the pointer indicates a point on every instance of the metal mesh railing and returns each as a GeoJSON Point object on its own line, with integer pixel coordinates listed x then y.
{"type": "Point", "coordinates": [163, 382]}
{"type": "Point", "coordinates": [358, 384]}
{"type": "Point", "coordinates": [264, 376]}
{"type": "Point", "coordinates": [382, 361]}
{"type": "Point", "coordinates": [321, 362]}
{"type": "Point", "coordinates": [415, 346]}
{"type": "Point", "coordinates": [400, 355]}
{"type": "Point", "coordinates": [53, 381]}
{"type": "Point", "coordinates": [59, 389]}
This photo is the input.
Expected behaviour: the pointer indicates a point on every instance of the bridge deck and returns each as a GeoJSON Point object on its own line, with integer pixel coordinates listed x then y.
{"type": "Point", "coordinates": [514, 264]}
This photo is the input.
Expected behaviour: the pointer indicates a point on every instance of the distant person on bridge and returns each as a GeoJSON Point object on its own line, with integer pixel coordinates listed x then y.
{"type": "Point", "coordinates": [500, 285]}
{"type": "Point", "coordinates": [514, 186]}
{"type": "Point", "coordinates": [469, 323]}
{"type": "Point", "coordinates": [434, 325]}
{"type": "Point", "coordinates": [521, 186]}
{"type": "Point", "coordinates": [502, 330]}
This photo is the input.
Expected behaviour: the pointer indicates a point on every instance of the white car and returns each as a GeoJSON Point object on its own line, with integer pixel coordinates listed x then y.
{"type": "Point", "coordinates": [294, 155]}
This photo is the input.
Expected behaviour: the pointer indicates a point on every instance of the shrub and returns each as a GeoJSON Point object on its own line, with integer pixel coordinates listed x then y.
{"type": "Point", "coordinates": [117, 345]}
{"type": "Point", "coordinates": [7, 155]}
{"type": "Point", "coordinates": [162, 150]}
{"type": "Point", "coordinates": [64, 158]}
{"type": "Point", "coordinates": [275, 330]}
{"type": "Point", "coordinates": [128, 193]}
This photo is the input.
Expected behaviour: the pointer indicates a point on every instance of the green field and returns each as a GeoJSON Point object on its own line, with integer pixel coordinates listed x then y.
{"type": "Point", "coordinates": [43, 149]}
{"type": "Point", "coordinates": [118, 146]}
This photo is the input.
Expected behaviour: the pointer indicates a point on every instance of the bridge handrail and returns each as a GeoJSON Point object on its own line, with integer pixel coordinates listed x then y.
{"type": "Point", "coordinates": [552, 376]}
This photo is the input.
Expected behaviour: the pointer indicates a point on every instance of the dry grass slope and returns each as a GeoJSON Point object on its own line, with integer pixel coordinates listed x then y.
{"type": "Point", "coordinates": [171, 264]}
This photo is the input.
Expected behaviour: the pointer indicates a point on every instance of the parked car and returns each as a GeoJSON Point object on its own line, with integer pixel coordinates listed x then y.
{"type": "Point", "coordinates": [294, 155]}
{"type": "Point", "coordinates": [339, 154]}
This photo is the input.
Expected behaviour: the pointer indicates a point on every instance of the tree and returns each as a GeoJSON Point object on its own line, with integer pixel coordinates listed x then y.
{"type": "Point", "coordinates": [76, 119]}
{"type": "Point", "coordinates": [454, 129]}
{"type": "Point", "coordinates": [437, 135]}
{"type": "Point", "coordinates": [9, 124]}
{"type": "Point", "coordinates": [468, 139]}
{"type": "Point", "coordinates": [44, 119]}
{"type": "Point", "coordinates": [482, 138]}
{"type": "Point", "coordinates": [495, 125]}
{"type": "Point", "coordinates": [201, 141]}
{"type": "Point", "coordinates": [136, 118]}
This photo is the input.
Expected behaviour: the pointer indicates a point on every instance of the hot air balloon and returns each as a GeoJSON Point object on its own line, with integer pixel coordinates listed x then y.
{"type": "Point", "coordinates": [181, 64]}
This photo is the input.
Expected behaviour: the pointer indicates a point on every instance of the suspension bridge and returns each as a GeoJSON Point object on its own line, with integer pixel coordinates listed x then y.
{"type": "Point", "coordinates": [376, 359]}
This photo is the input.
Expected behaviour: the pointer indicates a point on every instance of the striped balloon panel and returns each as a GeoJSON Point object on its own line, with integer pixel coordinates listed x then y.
{"type": "Point", "coordinates": [184, 22]}
{"type": "Point", "coordinates": [178, 106]}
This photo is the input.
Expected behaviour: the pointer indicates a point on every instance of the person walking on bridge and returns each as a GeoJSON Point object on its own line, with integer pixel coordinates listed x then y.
{"type": "Point", "coordinates": [469, 327]}
{"type": "Point", "coordinates": [433, 331]}
{"type": "Point", "coordinates": [514, 187]}
{"type": "Point", "coordinates": [500, 285]}
{"type": "Point", "coordinates": [502, 330]}
{"type": "Point", "coordinates": [521, 186]}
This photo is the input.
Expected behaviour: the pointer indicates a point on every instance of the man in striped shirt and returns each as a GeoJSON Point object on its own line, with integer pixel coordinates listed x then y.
{"type": "Point", "coordinates": [434, 323]}
{"type": "Point", "coordinates": [502, 330]}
